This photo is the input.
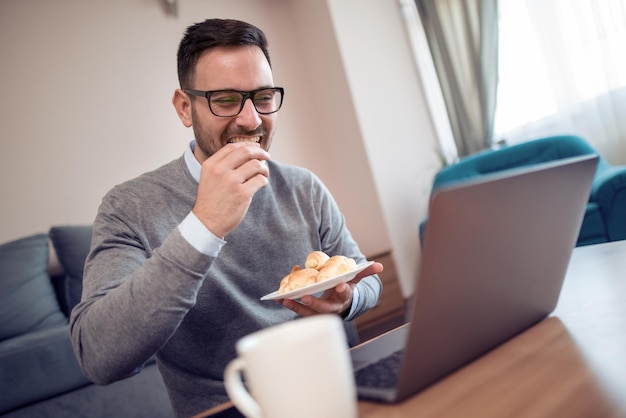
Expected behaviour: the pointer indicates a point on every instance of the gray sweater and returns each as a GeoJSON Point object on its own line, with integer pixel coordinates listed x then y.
{"type": "Point", "coordinates": [147, 291]}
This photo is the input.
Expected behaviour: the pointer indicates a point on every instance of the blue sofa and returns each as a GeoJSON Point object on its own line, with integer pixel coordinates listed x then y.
{"type": "Point", "coordinates": [40, 282]}
{"type": "Point", "coordinates": [605, 216]}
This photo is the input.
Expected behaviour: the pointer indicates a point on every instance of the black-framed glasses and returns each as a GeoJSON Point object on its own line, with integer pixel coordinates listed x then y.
{"type": "Point", "coordinates": [228, 103]}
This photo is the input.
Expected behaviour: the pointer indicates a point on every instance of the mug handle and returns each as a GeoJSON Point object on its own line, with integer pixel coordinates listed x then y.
{"type": "Point", "coordinates": [237, 391]}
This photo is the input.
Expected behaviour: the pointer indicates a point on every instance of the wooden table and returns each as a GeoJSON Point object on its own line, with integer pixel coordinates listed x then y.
{"type": "Point", "coordinates": [573, 364]}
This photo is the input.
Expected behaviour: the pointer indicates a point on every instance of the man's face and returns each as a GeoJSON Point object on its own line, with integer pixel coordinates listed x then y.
{"type": "Point", "coordinates": [242, 68]}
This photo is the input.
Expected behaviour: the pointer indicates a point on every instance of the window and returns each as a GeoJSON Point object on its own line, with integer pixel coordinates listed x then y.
{"type": "Point", "coordinates": [562, 69]}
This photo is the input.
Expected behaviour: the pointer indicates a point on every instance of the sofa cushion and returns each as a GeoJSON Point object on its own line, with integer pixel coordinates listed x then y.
{"type": "Point", "coordinates": [27, 298]}
{"type": "Point", "coordinates": [71, 244]}
{"type": "Point", "coordinates": [593, 230]}
{"type": "Point", "coordinates": [143, 395]}
{"type": "Point", "coordinates": [37, 366]}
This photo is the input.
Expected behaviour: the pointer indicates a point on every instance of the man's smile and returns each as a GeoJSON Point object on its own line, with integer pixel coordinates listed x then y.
{"type": "Point", "coordinates": [256, 139]}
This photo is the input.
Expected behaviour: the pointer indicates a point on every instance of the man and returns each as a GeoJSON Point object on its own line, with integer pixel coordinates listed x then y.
{"type": "Point", "coordinates": [182, 255]}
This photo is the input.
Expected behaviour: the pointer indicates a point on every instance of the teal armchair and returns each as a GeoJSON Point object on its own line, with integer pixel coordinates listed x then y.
{"type": "Point", "coordinates": [605, 216]}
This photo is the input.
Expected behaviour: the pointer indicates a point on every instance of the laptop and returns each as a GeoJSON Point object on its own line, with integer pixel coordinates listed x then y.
{"type": "Point", "coordinates": [495, 254]}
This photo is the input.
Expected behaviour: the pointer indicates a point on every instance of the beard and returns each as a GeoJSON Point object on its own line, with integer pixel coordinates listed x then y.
{"type": "Point", "coordinates": [210, 144]}
{"type": "Point", "coordinates": [204, 140]}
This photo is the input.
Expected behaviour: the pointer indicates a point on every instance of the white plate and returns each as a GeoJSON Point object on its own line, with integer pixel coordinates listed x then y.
{"type": "Point", "coordinates": [321, 286]}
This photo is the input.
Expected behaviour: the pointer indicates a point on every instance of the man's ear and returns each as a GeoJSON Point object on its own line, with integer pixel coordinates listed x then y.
{"type": "Point", "coordinates": [182, 104]}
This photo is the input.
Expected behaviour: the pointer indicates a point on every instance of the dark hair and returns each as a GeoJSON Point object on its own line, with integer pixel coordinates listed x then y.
{"type": "Point", "coordinates": [212, 33]}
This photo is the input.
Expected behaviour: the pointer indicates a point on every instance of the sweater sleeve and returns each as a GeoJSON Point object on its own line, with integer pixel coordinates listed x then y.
{"type": "Point", "coordinates": [365, 296]}
{"type": "Point", "coordinates": [134, 297]}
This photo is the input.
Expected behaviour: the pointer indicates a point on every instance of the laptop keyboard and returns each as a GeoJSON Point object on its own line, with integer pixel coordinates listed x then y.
{"type": "Point", "coordinates": [382, 374]}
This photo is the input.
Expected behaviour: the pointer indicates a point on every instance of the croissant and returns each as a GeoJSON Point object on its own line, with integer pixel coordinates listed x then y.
{"type": "Point", "coordinates": [318, 267]}
{"type": "Point", "coordinates": [336, 265]}
{"type": "Point", "coordinates": [297, 278]}
{"type": "Point", "coordinates": [285, 280]}
{"type": "Point", "coordinates": [316, 260]}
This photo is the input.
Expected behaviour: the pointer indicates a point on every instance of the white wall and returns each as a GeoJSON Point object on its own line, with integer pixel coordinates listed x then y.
{"type": "Point", "coordinates": [85, 104]}
{"type": "Point", "coordinates": [392, 111]}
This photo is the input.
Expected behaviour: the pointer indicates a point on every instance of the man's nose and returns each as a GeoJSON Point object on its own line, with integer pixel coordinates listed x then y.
{"type": "Point", "coordinates": [248, 116]}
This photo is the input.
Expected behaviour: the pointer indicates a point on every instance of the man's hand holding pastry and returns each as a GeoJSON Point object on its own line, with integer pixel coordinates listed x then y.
{"type": "Point", "coordinates": [228, 181]}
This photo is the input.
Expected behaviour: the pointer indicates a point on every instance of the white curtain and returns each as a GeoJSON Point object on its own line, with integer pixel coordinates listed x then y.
{"type": "Point", "coordinates": [463, 40]}
{"type": "Point", "coordinates": [563, 70]}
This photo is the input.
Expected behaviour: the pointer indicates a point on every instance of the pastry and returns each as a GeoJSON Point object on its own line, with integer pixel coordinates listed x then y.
{"type": "Point", "coordinates": [297, 278]}
{"type": "Point", "coordinates": [336, 265]}
{"type": "Point", "coordinates": [318, 267]}
{"type": "Point", "coordinates": [316, 259]}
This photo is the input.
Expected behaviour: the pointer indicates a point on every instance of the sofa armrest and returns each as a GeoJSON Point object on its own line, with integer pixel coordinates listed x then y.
{"type": "Point", "coordinates": [609, 192]}
{"type": "Point", "coordinates": [71, 245]}
{"type": "Point", "coordinates": [36, 366]}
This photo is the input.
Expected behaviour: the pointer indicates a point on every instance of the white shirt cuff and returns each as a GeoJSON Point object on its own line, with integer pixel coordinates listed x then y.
{"type": "Point", "coordinates": [355, 298]}
{"type": "Point", "coordinates": [199, 237]}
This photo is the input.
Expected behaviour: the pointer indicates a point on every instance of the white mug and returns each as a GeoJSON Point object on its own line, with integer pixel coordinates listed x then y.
{"type": "Point", "coordinates": [300, 368]}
